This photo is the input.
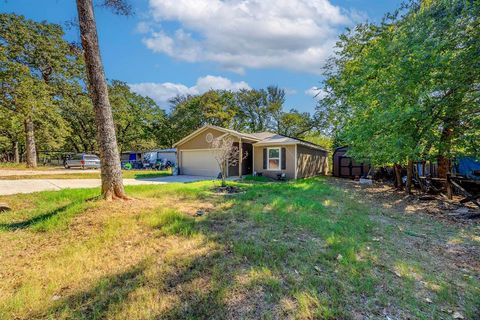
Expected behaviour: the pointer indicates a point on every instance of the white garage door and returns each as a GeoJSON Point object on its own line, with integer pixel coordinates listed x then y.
{"type": "Point", "coordinates": [199, 163]}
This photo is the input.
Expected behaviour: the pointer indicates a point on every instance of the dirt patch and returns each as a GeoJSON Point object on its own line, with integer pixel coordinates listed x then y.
{"type": "Point", "coordinates": [247, 304]}
{"type": "Point", "coordinates": [194, 208]}
{"type": "Point", "coordinates": [228, 190]}
{"type": "Point", "coordinates": [421, 226]}
{"type": "Point", "coordinates": [386, 196]}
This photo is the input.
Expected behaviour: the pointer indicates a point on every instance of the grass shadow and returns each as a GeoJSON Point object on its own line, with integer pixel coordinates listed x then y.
{"type": "Point", "coordinates": [199, 286]}
{"type": "Point", "coordinates": [98, 302]}
{"type": "Point", "coordinates": [151, 175]}
{"type": "Point", "coordinates": [39, 219]}
{"type": "Point", "coordinates": [299, 249]}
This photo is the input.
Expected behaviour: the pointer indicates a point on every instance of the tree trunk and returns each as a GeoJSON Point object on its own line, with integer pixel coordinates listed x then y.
{"type": "Point", "coordinates": [445, 147]}
{"type": "Point", "coordinates": [398, 176]}
{"type": "Point", "coordinates": [30, 148]}
{"type": "Point", "coordinates": [240, 158]}
{"type": "Point", "coordinates": [443, 167]}
{"type": "Point", "coordinates": [408, 186]}
{"type": "Point", "coordinates": [224, 169]}
{"type": "Point", "coordinates": [449, 187]}
{"type": "Point", "coordinates": [112, 183]}
{"type": "Point", "coordinates": [16, 153]}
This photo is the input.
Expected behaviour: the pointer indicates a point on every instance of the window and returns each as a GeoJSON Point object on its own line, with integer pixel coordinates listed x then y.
{"type": "Point", "coordinates": [273, 158]}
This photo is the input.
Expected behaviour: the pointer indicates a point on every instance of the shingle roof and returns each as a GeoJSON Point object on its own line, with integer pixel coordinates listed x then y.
{"type": "Point", "coordinates": [278, 139]}
{"type": "Point", "coordinates": [263, 138]}
{"type": "Point", "coordinates": [165, 150]}
{"type": "Point", "coordinates": [263, 135]}
{"type": "Point", "coordinates": [237, 133]}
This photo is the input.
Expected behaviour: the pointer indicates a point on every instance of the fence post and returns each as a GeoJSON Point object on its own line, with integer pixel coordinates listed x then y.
{"type": "Point", "coordinates": [449, 187]}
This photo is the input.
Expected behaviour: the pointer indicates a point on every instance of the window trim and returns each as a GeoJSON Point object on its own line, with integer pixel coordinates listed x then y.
{"type": "Point", "coordinates": [279, 158]}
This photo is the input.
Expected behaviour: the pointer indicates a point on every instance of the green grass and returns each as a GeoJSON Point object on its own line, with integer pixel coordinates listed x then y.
{"type": "Point", "coordinates": [50, 211]}
{"type": "Point", "coordinates": [23, 166]}
{"type": "Point", "coordinates": [257, 178]}
{"type": "Point", "coordinates": [77, 174]}
{"type": "Point", "coordinates": [172, 222]}
{"type": "Point", "coordinates": [303, 250]}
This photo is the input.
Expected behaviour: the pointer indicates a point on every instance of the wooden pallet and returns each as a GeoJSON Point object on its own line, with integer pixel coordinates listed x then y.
{"type": "Point", "coordinates": [470, 196]}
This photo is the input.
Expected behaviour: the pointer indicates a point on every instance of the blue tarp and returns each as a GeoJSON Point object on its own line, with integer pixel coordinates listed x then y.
{"type": "Point", "coordinates": [468, 167]}
{"type": "Point", "coordinates": [420, 169]}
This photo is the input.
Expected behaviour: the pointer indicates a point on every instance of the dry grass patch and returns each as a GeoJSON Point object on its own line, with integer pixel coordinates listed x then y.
{"type": "Point", "coordinates": [295, 250]}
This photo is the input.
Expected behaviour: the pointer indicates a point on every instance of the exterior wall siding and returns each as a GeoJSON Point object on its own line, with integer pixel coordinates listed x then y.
{"type": "Point", "coordinates": [290, 162]}
{"type": "Point", "coordinates": [199, 141]}
{"type": "Point", "coordinates": [311, 162]}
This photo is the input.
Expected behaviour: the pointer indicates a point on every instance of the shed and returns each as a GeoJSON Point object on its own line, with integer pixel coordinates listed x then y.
{"type": "Point", "coordinates": [130, 156]}
{"type": "Point", "coordinates": [347, 167]}
{"type": "Point", "coordinates": [167, 155]}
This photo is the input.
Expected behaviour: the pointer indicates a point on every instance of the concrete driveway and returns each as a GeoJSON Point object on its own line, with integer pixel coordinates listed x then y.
{"type": "Point", "coordinates": [49, 171]}
{"type": "Point", "coordinates": [34, 185]}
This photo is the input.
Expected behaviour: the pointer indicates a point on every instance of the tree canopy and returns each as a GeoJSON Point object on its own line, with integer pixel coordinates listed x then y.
{"type": "Point", "coordinates": [409, 87]}
{"type": "Point", "coordinates": [46, 106]}
{"type": "Point", "coordinates": [248, 110]}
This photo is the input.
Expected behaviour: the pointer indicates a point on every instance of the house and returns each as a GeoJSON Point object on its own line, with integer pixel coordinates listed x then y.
{"type": "Point", "coordinates": [347, 167]}
{"type": "Point", "coordinates": [265, 153]}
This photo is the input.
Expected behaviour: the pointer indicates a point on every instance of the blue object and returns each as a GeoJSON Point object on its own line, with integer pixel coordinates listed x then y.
{"type": "Point", "coordinates": [420, 169]}
{"type": "Point", "coordinates": [468, 167]}
{"type": "Point", "coordinates": [132, 157]}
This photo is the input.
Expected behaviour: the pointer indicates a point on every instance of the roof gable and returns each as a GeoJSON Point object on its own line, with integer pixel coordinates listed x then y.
{"type": "Point", "coordinates": [259, 138]}
{"type": "Point", "coordinates": [227, 131]}
{"type": "Point", "coordinates": [278, 139]}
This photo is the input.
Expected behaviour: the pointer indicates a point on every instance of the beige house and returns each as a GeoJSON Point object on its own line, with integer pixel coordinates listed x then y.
{"type": "Point", "coordinates": [267, 153]}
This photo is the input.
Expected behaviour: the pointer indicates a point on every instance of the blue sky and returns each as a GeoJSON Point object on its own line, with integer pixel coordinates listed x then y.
{"type": "Point", "coordinates": [174, 47]}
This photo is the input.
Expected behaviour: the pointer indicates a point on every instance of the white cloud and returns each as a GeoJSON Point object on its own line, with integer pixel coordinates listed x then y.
{"type": "Point", "coordinates": [316, 92]}
{"type": "Point", "coordinates": [162, 92]}
{"type": "Point", "coordinates": [218, 83]}
{"type": "Point", "coordinates": [143, 27]}
{"type": "Point", "coordinates": [238, 34]}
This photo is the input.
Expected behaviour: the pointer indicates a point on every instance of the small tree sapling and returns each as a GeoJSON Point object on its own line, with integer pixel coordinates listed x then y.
{"type": "Point", "coordinates": [226, 154]}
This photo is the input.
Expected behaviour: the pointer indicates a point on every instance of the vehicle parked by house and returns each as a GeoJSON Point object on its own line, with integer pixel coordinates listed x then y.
{"type": "Point", "coordinates": [83, 161]}
{"type": "Point", "coordinates": [160, 159]}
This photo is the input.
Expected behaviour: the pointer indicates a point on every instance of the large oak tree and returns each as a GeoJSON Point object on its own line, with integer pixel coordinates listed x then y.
{"type": "Point", "coordinates": [35, 62]}
{"type": "Point", "coordinates": [111, 173]}
{"type": "Point", "coordinates": [408, 89]}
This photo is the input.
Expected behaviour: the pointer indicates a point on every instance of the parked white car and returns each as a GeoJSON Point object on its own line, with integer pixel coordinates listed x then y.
{"type": "Point", "coordinates": [83, 161]}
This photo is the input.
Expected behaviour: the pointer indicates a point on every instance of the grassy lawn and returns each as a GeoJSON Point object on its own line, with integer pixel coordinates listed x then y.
{"type": "Point", "coordinates": [77, 174]}
{"type": "Point", "coordinates": [22, 166]}
{"type": "Point", "coordinates": [300, 250]}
